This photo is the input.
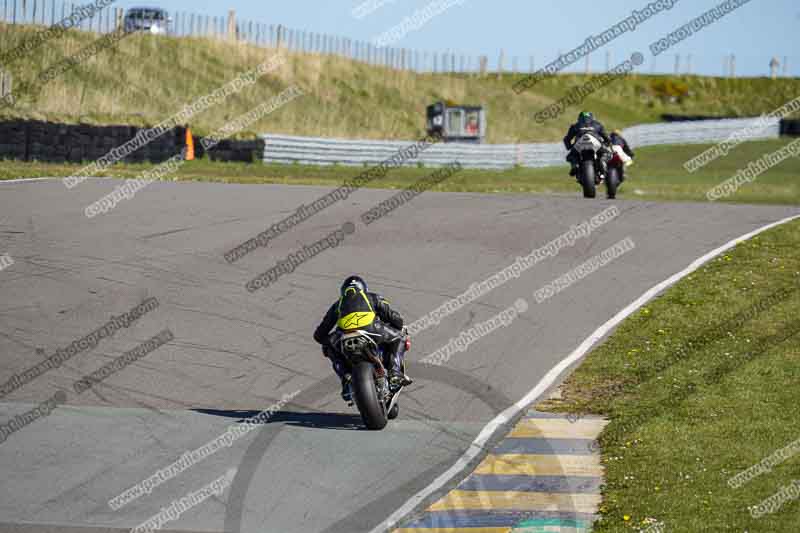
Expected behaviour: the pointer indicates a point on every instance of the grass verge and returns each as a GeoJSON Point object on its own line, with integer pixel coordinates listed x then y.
{"type": "Point", "coordinates": [657, 175]}
{"type": "Point", "coordinates": [699, 386]}
{"type": "Point", "coordinates": [146, 78]}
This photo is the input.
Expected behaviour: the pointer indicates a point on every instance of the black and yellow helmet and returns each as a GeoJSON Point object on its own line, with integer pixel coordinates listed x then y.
{"type": "Point", "coordinates": [356, 282]}
{"type": "Point", "coordinates": [355, 310]}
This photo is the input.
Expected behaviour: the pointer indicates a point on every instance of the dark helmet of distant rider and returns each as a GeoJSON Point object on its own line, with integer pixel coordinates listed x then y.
{"type": "Point", "coordinates": [355, 309]}
{"type": "Point", "coordinates": [585, 117]}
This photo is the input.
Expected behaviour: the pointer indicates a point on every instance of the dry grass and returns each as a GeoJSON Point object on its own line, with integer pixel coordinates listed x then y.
{"type": "Point", "coordinates": [147, 78]}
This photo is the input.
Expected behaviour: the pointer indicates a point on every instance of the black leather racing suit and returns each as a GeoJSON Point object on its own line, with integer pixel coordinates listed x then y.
{"type": "Point", "coordinates": [578, 129]}
{"type": "Point", "coordinates": [387, 329]}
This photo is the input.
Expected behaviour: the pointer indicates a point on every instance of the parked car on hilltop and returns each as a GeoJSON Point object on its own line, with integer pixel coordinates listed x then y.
{"type": "Point", "coordinates": [150, 19]}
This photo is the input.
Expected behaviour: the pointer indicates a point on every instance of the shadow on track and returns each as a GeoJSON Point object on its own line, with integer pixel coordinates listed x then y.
{"type": "Point", "coordinates": [313, 420]}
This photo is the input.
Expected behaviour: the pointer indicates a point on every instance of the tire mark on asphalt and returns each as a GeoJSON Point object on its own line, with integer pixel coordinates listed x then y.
{"type": "Point", "coordinates": [260, 445]}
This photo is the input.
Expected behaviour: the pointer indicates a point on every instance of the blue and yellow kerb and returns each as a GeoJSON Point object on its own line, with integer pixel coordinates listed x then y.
{"type": "Point", "coordinates": [544, 476]}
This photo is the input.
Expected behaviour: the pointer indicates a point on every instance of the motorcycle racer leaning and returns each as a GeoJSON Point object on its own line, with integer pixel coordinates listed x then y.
{"type": "Point", "coordinates": [359, 309]}
{"type": "Point", "coordinates": [587, 124]}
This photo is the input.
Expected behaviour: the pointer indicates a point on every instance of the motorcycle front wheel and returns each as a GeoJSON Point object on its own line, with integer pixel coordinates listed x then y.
{"type": "Point", "coordinates": [612, 182]}
{"type": "Point", "coordinates": [587, 179]}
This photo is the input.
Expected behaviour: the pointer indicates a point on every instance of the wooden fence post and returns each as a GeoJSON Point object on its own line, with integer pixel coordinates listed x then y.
{"type": "Point", "coordinates": [6, 83]}
{"type": "Point", "coordinates": [232, 25]}
{"type": "Point", "coordinates": [500, 65]}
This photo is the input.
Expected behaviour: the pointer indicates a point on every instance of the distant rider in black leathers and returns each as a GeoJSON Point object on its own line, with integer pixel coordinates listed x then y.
{"type": "Point", "coordinates": [587, 124]}
{"type": "Point", "coordinates": [359, 309]}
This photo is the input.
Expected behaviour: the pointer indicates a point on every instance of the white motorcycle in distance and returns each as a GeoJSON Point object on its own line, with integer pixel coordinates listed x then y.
{"type": "Point", "coordinates": [590, 170]}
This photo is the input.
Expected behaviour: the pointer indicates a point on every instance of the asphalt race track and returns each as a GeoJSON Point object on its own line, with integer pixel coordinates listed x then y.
{"type": "Point", "coordinates": [310, 468]}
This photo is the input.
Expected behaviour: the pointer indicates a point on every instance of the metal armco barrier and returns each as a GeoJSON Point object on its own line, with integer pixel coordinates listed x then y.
{"type": "Point", "coordinates": [321, 151]}
{"type": "Point", "coordinates": [703, 131]}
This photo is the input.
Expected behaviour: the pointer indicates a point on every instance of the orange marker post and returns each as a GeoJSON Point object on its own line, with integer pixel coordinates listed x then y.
{"type": "Point", "coordinates": [189, 145]}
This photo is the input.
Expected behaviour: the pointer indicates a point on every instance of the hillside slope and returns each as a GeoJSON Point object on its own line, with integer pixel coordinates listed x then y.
{"type": "Point", "coordinates": [145, 79]}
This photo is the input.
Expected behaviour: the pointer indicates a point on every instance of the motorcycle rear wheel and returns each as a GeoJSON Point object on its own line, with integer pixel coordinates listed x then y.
{"type": "Point", "coordinates": [372, 409]}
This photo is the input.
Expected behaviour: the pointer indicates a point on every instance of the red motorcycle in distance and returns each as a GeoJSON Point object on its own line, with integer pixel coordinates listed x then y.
{"type": "Point", "coordinates": [616, 170]}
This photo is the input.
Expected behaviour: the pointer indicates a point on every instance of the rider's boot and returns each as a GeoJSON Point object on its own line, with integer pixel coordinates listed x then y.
{"type": "Point", "coordinates": [342, 371]}
{"type": "Point", "coordinates": [573, 164]}
{"type": "Point", "coordinates": [605, 158]}
{"type": "Point", "coordinates": [347, 390]}
{"type": "Point", "coordinates": [397, 378]}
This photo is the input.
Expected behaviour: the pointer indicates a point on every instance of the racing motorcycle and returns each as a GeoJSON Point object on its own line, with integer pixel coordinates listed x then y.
{"type": "Point", "coordinates": [616, 170]}
{"type": "Point", "coordinates": [376, 401]}
{"type": "Point", "coordinates": [590, 168]}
